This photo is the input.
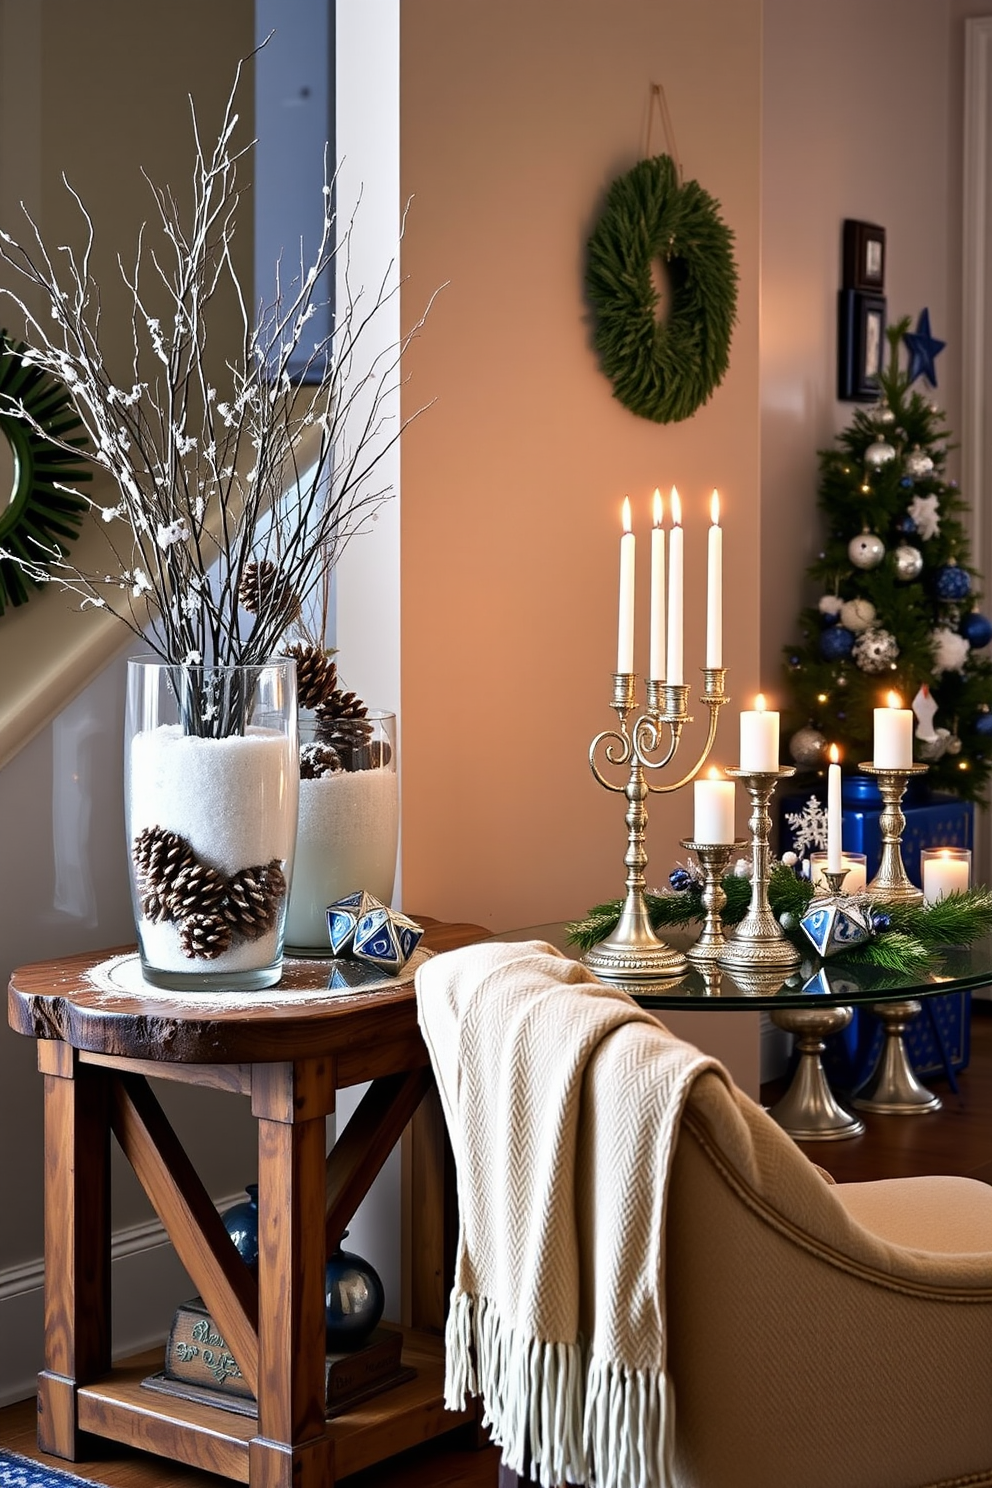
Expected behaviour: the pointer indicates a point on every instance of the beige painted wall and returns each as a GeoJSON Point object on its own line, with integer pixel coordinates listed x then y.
{"type": "Point", "coordinates": [858, 117]}
{"type": "Point", "coordinates": [515, 118]}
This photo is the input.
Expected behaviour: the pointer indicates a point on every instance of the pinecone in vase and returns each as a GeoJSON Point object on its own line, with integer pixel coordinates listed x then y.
{"type": "Point", "coordinates": [197, 890]}
{"type": "Point", "coordinates": [341, 722]}
{"type": "Point", "coordinates": [253, 897]}
{"type": "Point", "coordinates": [318, 760]}
{"type": "Point", "coordinates": [316, 674]}
{"type": "Point", "coordinates": [263, 590]}
{"type": "Point", "coordinates": [154, 907]}
{"type": "Point", "coordinates": [204, 937]}
{"type": "Point", "coordinates": [160, 856]}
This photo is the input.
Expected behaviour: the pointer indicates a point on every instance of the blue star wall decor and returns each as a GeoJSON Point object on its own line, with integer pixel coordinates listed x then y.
{"type": "Point", "coordinates": [922, 349]}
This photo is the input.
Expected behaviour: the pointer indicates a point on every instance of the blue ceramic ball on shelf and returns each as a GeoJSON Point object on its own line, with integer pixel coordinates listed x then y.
{"type": "Point", "coordinates": [241, 1223]}
{"type": "Point", "coordinates": [354, 1298]}
{"type": "Point", "coordinates": [977, 630]}
{"type": "Point", "coordinates": [952, 582]}
{"type": "Point", "coordinates": [835, 642]}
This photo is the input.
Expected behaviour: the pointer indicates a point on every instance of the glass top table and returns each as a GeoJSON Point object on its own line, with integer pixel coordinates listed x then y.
{"type": "Point", "coordinates": [831, 983]}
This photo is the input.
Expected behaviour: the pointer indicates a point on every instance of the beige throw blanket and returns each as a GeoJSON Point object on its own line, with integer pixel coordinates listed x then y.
{"type": "Point", "coordinates": [562, 1099]}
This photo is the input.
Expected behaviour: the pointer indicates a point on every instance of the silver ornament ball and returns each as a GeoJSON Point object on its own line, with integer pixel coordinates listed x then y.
{"type": "Point", "coordinates": [879, 453]}
{"type": "Point", "coordinates": [875, 651]}
{"type": "Point", "coordinates": [806, 746]}
{"type": "Point", "coordinates": [907, 562]}
{"type": "Point", "coordinates": [857, 615]}
{"type": "Point", "coordinates": [954, 745]}
{"type": "Point", "coordinates": [866, 550]}
{"type": "Point", "coordinates": [918, 463]}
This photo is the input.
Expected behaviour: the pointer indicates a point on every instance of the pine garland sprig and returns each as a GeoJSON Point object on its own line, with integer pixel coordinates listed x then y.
{"type": "Point", "coordinates": [956, 920]}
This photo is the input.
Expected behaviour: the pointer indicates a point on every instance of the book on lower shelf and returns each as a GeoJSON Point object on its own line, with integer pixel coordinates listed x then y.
{"type": "Point", "coordinates": [200, 1366]}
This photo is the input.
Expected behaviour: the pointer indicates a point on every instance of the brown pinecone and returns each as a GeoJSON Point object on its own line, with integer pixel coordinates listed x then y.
{"type": "Point", "coordinates": [339, 704]}
{"type": "Point", "coordinates": [198, 890]}
{"type": "Point", "coordinates": [253, 896]}
{"type": "Point", "coordinates": [316, 674]}
{"type": "Point", "coordinates": [160, 856]}
{"type": "Point", "coordinates": [154, 907]}
{"type": "Point", "coordinates": [349, 738]}
{"type": "Point", "coordinates": [204, 937]}
{"type": "Point", "coordinates": [265, 591]}
{"type": "Point", "coordinates": [318, 760]}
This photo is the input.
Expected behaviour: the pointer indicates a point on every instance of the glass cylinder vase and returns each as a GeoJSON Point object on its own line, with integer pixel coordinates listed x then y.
{"type": "Point", "coordinates": [211, 798]}
{"type": "Point", "coordinates": [348, 827]}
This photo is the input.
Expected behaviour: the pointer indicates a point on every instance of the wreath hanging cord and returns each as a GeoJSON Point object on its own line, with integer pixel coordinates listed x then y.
{"type": "Point", "coordinates": [662, 369]}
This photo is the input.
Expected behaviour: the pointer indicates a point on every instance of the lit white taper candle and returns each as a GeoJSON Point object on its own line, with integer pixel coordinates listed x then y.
{"type": "Point", "coordinates": [675, 673]}
{"type": "Point", "coordinates": [714, 586]}
{"type": "Point", "coordinates": [893, 736]}
{"type": "Point", "coordinates": [656, 668]}
{"type": "Point", "coordinates": [759, 738]}
{"type": "Point", "coordinates": [834, 820]}
{"type": "Point", "coordinates": [625, 628]}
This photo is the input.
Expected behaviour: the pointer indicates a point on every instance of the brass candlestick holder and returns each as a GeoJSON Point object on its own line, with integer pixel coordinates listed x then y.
{"type": "Point", "coordinates": [759, 941]}
{"type": "Point", "coordinates": [892, 883]}
{"type": "Point", "coordinates": [633, 952]}
{"type": "Point", "coordinates": [713, 858]}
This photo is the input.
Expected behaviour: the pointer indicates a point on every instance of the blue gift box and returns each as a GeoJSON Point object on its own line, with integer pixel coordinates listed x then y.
{"type": "Point", "coordinates": [939, 1039]}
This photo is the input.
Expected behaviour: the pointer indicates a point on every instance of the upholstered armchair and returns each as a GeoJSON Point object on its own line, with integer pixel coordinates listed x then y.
{"type": "Point", "coordinates": [815, 1335]}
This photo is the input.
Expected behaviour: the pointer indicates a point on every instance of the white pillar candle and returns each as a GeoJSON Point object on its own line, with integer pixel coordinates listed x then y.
{"type": "Point", "coordinates": [714, 587]}
{"type": "Point", "coordinates": [833, 812]}
{"type": "Point", "coordinates": [675, 580]}
{"type": "Point", "coordinates": [893, 746]}
{"type": "Point", "coordinates": [656, 667]}
{"type": "Point", "coordinates": [759, 738]}
{"type": "Point", "coordinates": [946, 870]}
{"type": "Point", "coordinates": [713, 799]}
{"type": "Point", "coordinates": [625, 629]}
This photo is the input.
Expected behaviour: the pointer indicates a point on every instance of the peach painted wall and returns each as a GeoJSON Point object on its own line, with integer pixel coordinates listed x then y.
{"type": "Point", "coordinates": [515, 118]}
{"type": "Point", "coordinates": [857, 123]}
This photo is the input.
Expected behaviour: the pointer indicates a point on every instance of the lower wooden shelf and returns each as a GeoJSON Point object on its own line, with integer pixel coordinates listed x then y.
{"type": "Point", "coordinates": [215, 1440]}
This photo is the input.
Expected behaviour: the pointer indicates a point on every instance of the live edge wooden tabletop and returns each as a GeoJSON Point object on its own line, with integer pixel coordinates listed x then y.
{"type": "Point", "coordinates": [58, 1000]}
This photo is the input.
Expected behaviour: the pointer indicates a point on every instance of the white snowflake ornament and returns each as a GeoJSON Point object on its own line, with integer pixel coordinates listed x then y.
{"type": "Point", "coordinates": [925, 512]}
{"type": "Point", "coordinates": [808, 827]}
{"type": "Point", "coordinates": [950, 650]}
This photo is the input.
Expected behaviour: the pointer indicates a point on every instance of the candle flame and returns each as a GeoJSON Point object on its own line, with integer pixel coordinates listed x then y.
{"type": "Point", "coordinates": [676, 509]}
{"type": "Point", "coordinates": [715, 508]}
{"type": "Point", "coordinates": [713, 773]}
{"type": "Point", "coordinates": [893, 700]}
{"type": "Point", "coordinates": [626, 514]}
{"type": "Point", "coordinates": [759, 703]}
{"type": "Point", "coordinates": [834, 754]}
{"type": "Point", "coordinates": [658, 510]}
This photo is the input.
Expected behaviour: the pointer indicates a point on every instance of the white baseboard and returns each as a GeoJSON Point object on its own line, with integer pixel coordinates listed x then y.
{"type": "Point", "coordinates": [147, 1285]}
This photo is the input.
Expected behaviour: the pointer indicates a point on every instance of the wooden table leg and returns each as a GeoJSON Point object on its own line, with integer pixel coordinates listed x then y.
{"type": "Point", "coordinates": [292, 1449]}
{"type": "Point", "coordinates": [77, 1241]}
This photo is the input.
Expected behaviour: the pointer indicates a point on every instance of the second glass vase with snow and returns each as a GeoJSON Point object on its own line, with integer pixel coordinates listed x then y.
{"type": "Point", "coordinates": [348, 826]}
{"type": "Point", "coordinates": [211, 804]}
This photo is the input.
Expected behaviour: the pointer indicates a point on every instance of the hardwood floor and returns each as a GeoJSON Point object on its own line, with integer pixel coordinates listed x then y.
{"type": "Point", "coordinates": [957, 1140]}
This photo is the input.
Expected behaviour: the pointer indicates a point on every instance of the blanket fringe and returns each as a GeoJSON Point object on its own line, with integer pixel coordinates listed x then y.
{"type": "Point", "coordinates": [554, 1416]}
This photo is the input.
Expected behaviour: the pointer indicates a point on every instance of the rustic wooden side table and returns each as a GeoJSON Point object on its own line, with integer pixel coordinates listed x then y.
{"type": "Point", "coordinates": [289, 1055]}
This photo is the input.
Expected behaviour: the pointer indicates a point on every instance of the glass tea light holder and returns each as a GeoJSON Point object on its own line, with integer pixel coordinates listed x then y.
{"type": "Point", "coordinates": [944, 870]}
{"type": "Point", "coordinates": [853, 865]}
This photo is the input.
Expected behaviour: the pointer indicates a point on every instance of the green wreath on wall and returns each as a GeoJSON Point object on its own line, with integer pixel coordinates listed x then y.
{"type": "Point", "coordinates": [40, 515]}
{"type": "Point", "coordinates": [662, 369]}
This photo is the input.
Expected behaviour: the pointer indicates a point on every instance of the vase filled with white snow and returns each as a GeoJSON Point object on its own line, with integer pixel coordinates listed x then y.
{"type": "Point", "coordinates": [349, 815]}
{"type": "Point", "coordinates": [211, 795]}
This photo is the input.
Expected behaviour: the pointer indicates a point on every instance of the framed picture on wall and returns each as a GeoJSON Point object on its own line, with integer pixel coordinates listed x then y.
{"type": "Point", "coordinates": [860, 345]}
{"type": "Point", "coordinates": [864, 256]}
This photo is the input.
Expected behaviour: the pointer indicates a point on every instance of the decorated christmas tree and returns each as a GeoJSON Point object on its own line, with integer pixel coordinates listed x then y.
{"type": "Point", "coordinates": [898, 606]}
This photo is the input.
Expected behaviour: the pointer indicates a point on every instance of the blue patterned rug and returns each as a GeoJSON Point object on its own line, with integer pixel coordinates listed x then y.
{"type": "Point", "coordinates": [21, 1472]}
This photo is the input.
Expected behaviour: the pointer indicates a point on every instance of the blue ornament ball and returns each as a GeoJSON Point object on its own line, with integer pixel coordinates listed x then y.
{"type": "Point", "coordinates": [679, 879]}
{"type": "Point", "coordinates": [952, 582]}
{"type": "Point", "coordinates": [907, 526]}
{"type": "Point", "coordinates": [836, 642]}
{"type": "Point", "coordinates": [829, 618]}
{"type": "Point", "coordinates": [983, 725]}
{"type": "Point", "coordinates": [977, 630]}
{"type": "Point", "coordinates": [880, 921]}
{"type": "Point", "coordinates": [907, 482]}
